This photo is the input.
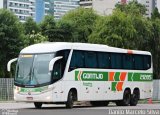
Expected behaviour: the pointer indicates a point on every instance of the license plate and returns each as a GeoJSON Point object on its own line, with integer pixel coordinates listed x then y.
{"type": "Point", "coordinates": [29, 98]}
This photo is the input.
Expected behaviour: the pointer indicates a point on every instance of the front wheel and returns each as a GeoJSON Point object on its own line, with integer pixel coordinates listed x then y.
{"type": "Point", "coordinates": [38, 105]}
{"type": "Point", "coordinates": [70, 100]}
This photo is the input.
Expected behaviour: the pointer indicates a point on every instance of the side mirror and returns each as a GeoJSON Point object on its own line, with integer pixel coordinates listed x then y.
{"type": "Point", "coordinates": [9, 64]}
{"type": "Point", "coordinates": [51, 63]}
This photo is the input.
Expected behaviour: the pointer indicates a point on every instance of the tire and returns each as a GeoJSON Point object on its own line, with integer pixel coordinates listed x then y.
{"type": "Point", "coordinates": [38, 105]}
{"type": "Point", "coordinates": [99, 103]}
{"type": "Point", "coordinates": [126, 99]}
{"type": "Point", "coordinates": [70, 100]}
{"type": "Point", "coordinates": [134, 99]}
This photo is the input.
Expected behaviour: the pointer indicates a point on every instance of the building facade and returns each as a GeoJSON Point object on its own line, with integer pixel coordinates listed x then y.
{"type": "Point", "coordinates": [158, 5]}
{"type": "Point", "coordinates": [3, 3]}
{"type": "Point", "coordinates": [86, 3]}
{"type": "Point", "coordinates": [150, 5]}
{"type": "Point", "coordinates": [61, 7]}
{"type": "Point", "coordinates": [42, 8]}
{"type": "Point", "coordinates": [105, 7]}
{"type": "Point", "coordinates": [23, 9]}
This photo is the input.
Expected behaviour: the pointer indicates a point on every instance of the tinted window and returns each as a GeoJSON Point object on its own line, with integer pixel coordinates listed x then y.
{"type": "Point", "coordinates": [90, 60]}
{"type": "Point", "coordinates": [77, 60]}
{"type": "Point", "coordinates": [138, 61]}
{"type": "Point", "coordinates": [103, 60]}
{"type": "Point", "coordinates": [116, 61]}
{"type": "Point", "coordinates": [147, 62]}
{"type": "Point", "coordinates": [63, 61]}
{"type": "Point", "coordinates": [64, 53]}
{"type": "Point", "coordinates": [127, 61]}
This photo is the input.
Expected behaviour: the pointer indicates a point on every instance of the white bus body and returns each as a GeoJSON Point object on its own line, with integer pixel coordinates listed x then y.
{"type": "Point", "coordinates": [97, 73]}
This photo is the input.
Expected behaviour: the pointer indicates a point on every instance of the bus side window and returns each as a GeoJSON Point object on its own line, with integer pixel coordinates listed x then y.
{"type": "Point", "coordinates": [127, 61]}
{"type": "Point", "coordinates": [138, 61]}
{"type": "Point", "coordinates": [147, 61]}
{"type": "Point", "coordinates": [116, 61]}
{"type": "Point", "coordinates": [77, 60]}
{"type": "Point", "coordinates": [103, 60]}
{"type": "Point", "coordinates": [90, 60]}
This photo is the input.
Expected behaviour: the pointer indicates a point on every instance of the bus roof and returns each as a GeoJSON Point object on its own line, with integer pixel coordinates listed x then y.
{"type": "Point", "coordinates": [49, 47]}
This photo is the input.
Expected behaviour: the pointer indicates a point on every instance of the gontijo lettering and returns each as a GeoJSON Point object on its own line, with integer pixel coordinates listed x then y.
{"type": "Point", "coordinates": [92, 76]}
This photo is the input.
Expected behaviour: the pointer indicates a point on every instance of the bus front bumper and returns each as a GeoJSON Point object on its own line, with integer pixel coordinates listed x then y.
{"type": "Point", "coordinates": [32, 97]}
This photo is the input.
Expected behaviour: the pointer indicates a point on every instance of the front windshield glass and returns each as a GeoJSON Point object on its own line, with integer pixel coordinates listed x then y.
{"type": "Point", "coordinates": [33, 69]}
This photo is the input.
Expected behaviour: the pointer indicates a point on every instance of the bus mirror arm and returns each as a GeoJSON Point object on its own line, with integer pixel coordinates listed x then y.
{"type": "Point", "coordinates": [51, 63]}
{"type": "Point", "coordinates": [9, 64]}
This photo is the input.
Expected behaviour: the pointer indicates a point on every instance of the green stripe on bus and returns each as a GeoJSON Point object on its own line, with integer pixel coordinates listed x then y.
{"type": "Point", "coordinates": [40, 89]}
{"type": "Point", "coordinates": [130, 76]}
{"type": "Point", "coordinates": [91, 76]}
{"type": "Point", "coordinates": [103, 76]}
{"type": "Point", "coordinates": [142, 77]}
{"type": "Point", "coordinates": [76, 74]}
{"type": "Point", "coordinates": [114, 86]}
{"type": "Point", "coordinates": [116, 76]}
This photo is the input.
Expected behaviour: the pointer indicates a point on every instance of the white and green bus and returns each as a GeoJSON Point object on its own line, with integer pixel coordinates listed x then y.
{"type": "Point", "coordinates": [64, 73]}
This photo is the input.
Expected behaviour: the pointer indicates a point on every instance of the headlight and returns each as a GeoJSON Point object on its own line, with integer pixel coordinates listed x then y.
{"type": "Point", "coordinates": [48, 97]}
{"type": "Point", "coordinates": [16, 89]}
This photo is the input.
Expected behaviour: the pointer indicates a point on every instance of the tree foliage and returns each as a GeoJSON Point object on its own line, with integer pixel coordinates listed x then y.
{"type": "Point", "coordinates": [133, 8]}
{"type": "Point", "coordinates": [154, 46]}
{"type": "Point", "coordinates": [34, 38]}
{"type": "Point", "coordinates": [11, 34]}
{"type": "Point", "coordinates": [82, 21]}
{"type": "Point", "coordinates": [48, 28]}
{"type": "Point", "coordinates": [30, 26]}
{"type": "Point", "coordinates": [32, 33]}
{"type": "Point", "coordinates": [127, 27]}
{"type": "Point", "coordinates": [155, 14]}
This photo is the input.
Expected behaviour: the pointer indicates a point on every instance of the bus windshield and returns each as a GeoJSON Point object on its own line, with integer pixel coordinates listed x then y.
{"type": "Point", "coordinates": [33, 69]}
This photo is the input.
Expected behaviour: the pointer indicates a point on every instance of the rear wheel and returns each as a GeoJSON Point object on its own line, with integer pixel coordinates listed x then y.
{"type": "Point", "coordinates": [38, 105]}
{"type": "Point", "coordinates": [70, 100]}
{"type": "Point", "coordinates": [126, 99]}
{"type": "Point", "coordinates": [134, 98]}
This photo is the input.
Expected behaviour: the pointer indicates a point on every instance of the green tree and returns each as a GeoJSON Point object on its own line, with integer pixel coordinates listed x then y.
{"type": "Point", "coordinates": [155, 14]}
{"type": "Point", "coordinates": [82, 21]}
{"type": "Point", "coordinates": [32, 34]}
{"type": "Point", "coordinates": [65, 31]}
{"type": "Point", "coordinates": [124, 27]}
{"type": "Point", "coordinates": [154, 47]}
{"type": "Point", "coordinates": [34, 38]}
{"type": "Point", "coordinates": [133, 8]}
{"type": "Point", "coordinates": [30, 26]}
{"type": "Point", "coordinates": [115, 30]}
{"type": "Point", "coordinates": [11, 33]}
{"type": "Point", "coordinates": [48, 27]}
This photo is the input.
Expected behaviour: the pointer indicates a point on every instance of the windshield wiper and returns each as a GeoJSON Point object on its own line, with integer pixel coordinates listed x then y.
{"type": "Point", "coordinates": [35, 77]}
{"type": "Point", "coordinates": [28, 76]}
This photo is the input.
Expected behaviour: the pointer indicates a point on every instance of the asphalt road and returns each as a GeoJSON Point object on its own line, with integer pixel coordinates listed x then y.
{"type": "Point", "coordinates": [111, 109]}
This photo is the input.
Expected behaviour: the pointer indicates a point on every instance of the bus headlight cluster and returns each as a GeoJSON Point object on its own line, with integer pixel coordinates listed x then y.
{"type": "Point", "coordinates": [16, 89]}
{"type": "Point", "coordinates": [48, 97]}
